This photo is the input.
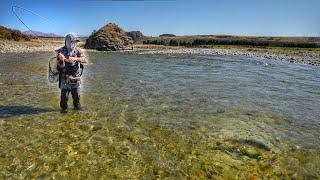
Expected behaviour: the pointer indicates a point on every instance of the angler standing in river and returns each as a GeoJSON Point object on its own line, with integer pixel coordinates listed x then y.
{"type": "Point", "coordinates": [71, 61]}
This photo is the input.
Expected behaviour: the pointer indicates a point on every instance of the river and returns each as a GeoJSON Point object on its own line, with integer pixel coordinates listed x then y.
{"type": "Point", "coordinates": [158, 116]}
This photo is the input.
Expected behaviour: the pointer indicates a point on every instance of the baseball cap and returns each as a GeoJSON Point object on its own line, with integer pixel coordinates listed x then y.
{"type": "Point", "coordinates": [72, 38]}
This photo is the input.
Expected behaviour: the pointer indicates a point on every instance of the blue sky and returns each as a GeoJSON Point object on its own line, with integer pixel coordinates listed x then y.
{"type": "Point", "coordinates": [181, 17]}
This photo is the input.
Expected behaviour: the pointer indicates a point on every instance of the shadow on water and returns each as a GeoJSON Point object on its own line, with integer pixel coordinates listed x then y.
{"type": "Point", "coordinates": [9, 111]}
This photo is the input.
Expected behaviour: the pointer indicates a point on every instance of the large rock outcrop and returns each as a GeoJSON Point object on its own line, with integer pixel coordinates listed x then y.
{"type": "Point", "coordinates": [109, 38]}
{"type": "Point", "coordinates": [135, 36]}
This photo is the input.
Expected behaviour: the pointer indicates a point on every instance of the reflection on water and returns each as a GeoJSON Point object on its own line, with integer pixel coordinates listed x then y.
{"type": "Point", "coordinates": [158, 116]}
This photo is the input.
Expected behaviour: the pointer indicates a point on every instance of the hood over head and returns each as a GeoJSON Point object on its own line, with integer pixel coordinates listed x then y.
{"type": "Point", "coordinates": [70, 42]}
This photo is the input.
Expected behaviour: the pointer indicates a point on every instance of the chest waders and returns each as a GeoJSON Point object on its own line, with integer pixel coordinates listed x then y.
{"type": "Point", "coordinates": [73, 79]}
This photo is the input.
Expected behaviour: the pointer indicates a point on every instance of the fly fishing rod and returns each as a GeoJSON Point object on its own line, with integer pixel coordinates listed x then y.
{"type": "Point", "coordinates": [13, 9]}
{"type": "Point", "coordinates": [52, 72]}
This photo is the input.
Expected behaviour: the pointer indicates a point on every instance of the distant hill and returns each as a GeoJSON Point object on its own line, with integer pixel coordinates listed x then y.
{"type": "Point", "coordinates": [12, 34]}
{"type": "Point", "coordinates": [167, 35]}
{"type": "Point", "coordinates": [40, 34]}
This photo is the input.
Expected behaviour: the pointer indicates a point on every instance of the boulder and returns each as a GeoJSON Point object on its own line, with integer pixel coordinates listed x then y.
{"type": "Point", "coordinates": [135, 35]}
{"type": "Point", "coordinates": [109, 38]}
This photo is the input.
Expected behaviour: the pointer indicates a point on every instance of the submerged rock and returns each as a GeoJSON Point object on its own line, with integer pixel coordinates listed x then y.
{"type": "Point", "coordinates": [220, 111]}
{"type": "Point", "coordinates": [109, 38]}
{"type": "Point", "coordinates": [100, 139]}
{"type": "Point", "coordinates": [96, 126]}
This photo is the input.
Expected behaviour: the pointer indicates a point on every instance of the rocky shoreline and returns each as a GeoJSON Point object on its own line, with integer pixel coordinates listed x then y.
{"type": "Point", "coordinates": [303, 57]}
{"type": "Point", "coordinates": [27, 46]}
{"type": "Point", "coordinates": [311, 58]}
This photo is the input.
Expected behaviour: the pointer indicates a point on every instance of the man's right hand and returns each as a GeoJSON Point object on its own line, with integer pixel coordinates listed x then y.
{"type": "Point", "coordinates": [61, 57]}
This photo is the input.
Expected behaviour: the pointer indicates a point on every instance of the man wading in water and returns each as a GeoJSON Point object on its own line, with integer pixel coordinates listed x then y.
{"type": "Point", "coordinates": [70, 59]}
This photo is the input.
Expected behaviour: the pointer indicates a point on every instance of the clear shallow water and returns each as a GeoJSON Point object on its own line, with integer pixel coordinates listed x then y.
{"type": "Point", "coordinates": [157, 116]}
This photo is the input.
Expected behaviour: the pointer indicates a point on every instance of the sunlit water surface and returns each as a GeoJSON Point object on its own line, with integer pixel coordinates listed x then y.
{"type": "Point", "coordinates": [158, 116]}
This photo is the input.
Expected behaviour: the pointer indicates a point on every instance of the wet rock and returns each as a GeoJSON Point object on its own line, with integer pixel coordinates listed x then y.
{"type": "Point", "coordinates": [249, 113]}
{"type": "Point", "coordinates": [124, 127]}
{"type": "Point", "coordinates": [219, 143]}
{"type": "Point", "coordinates": [139, 138]}
{"type": "Point", "coordinates": [295, 176]}
{"type": "Point", "coordinates": [295, 147]}
{"type": "Point", "coordinates": [251, 152]}
{"type": "Point", "coordinates": [96, 126]}
{"type": "Point", "coordinates": [164, 106]}
{"type": "Point", "coordinates": [220, 111]}
{"type": "Point", "coordinates": [110, 139]}
{"type": "Point", "coordinates": [102, 140]}
{"type": "Point", "coordinates": [125, 148]}
{"type": "Point", "coordinates": [2, 155]}
{"type": "Point", "coordinates": [84, 126]}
